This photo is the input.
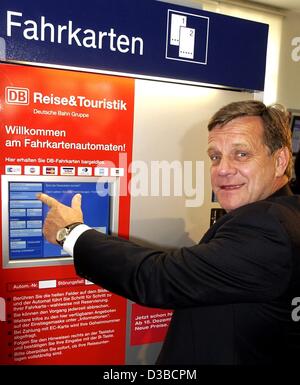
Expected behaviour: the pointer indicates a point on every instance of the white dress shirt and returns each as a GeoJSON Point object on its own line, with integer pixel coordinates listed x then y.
{"type": "Point", "coordinates": [72, 238]}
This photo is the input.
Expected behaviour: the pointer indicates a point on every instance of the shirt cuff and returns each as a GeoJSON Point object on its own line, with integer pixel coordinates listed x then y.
{"type": "Point", "coordinates": [72, 238]}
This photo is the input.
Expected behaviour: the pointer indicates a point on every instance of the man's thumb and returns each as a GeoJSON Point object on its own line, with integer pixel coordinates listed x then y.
{"type": "Point", "coordinates": [76, 202]}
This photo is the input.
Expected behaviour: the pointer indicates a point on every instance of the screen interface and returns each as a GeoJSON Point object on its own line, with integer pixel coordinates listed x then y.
{"type": "Point", "coordinates": [26, 214]}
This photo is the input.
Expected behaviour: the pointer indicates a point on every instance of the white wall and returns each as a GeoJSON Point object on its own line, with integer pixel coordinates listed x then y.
{"type": "Point", "coordinates": [289, 70]}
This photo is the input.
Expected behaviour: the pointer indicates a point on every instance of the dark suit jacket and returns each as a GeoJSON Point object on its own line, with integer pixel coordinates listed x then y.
{"type": "Point", "coordinates": [231, 293]}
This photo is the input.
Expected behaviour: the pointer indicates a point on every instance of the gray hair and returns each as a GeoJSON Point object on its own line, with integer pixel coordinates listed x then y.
{"type": "Point", "coordinates": [275, 119]}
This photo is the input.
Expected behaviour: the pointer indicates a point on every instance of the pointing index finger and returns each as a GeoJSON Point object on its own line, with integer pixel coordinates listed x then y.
{"type": "Point", "coordinates": [49, 201]}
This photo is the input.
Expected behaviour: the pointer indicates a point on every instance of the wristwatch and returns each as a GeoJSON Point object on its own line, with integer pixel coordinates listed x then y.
{"type": "Point", "coordinates": [62, 234]}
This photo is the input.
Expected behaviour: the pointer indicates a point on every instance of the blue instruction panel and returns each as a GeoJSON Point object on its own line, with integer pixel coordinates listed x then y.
{"type": "Point", "coordinates": [26, 214]}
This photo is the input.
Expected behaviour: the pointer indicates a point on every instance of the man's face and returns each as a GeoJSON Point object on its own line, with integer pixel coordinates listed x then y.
{"type": "Point", "coordinates": [242, 168]}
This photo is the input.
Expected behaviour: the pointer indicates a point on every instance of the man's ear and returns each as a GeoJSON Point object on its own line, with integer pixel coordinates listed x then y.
{"type": "Point", "coordinates": [282, 158]}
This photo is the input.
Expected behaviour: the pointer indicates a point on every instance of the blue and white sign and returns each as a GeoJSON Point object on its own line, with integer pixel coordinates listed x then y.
{"type": "Point", "coordinates": [187, 37]}
{"type": "Point", "coordinates": [149, 39]}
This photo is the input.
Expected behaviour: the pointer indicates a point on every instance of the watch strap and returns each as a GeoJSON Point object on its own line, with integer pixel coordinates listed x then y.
{"type": "Point", "coordinates": [69, 227]}
{"type": "Point", "coordinates": [72, 226]}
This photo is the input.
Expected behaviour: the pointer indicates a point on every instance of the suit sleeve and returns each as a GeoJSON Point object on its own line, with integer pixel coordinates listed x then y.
{"type": "Point", "coordinates": [247, 260]}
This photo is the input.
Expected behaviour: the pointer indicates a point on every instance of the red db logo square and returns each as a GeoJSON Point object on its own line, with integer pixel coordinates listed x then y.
{"type": "Point", "coordinates": [17, 95]}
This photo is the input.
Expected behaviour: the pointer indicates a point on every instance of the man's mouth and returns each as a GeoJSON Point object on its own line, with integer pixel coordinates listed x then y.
{"type": "Point", "coordinates": [229, 187]}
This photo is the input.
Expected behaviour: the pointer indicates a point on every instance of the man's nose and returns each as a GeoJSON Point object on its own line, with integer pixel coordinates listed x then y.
{"type": "Point", "coordinates": [226, 166]}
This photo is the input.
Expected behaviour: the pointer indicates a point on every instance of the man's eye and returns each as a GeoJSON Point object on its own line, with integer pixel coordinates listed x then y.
{"type": "Point", "coordinates": [214, 157]}
{"type": "Point", "coordinates": [242, 154]}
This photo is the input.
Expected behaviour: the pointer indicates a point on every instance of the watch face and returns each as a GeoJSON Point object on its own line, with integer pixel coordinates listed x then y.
{"type": "Point", "coordinates": [61, 234]}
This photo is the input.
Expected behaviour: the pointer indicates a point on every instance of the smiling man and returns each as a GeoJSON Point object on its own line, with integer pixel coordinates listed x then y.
{"type": "Point", "coordinates": [232, 293]}
{"type": "Point", "coordinates": [249, 162]}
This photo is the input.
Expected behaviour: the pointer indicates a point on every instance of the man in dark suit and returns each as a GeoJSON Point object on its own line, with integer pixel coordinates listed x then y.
{"type": "Point", "coordinates": [232, 293]}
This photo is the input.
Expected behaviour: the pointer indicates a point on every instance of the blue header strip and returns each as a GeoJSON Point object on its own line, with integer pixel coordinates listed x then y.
{"type": "Point", "coordinates": [145, 38]}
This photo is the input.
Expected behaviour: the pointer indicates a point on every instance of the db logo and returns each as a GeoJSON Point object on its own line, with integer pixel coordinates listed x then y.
{"type": "Point", "coordinates": [17, 95]}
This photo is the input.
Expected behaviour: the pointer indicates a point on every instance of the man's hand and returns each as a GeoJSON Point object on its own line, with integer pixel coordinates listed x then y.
{"type": "Point", "coordinates": [60, 215]}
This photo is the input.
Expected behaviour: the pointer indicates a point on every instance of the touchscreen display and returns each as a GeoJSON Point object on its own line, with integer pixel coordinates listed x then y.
{"type": "Point", "coordinates": [26, 214]}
